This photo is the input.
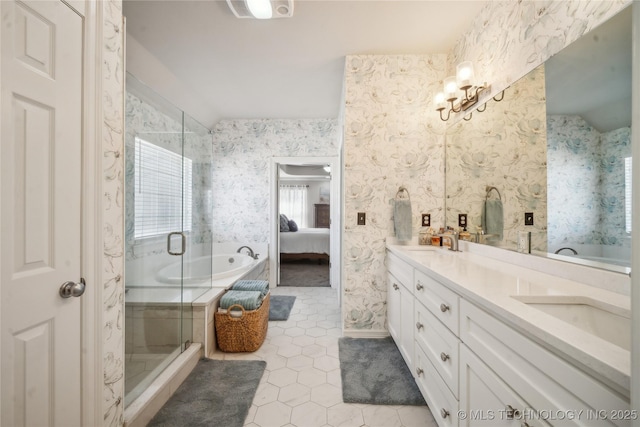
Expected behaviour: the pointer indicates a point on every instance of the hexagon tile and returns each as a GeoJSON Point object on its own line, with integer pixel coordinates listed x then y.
{"type": "Point", "coordinates": [301, 386]}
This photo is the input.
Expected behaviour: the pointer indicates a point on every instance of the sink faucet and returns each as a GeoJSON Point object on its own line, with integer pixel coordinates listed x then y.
{"type": "Point", "coordinates": [453, 238]}
{"type": "Point", "coordinates": [251, 254]}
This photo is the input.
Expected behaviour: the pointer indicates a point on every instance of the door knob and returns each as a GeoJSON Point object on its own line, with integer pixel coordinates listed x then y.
{"type": "Point", "coordinates": [72, 289]}
{"type": "Point", "coordinates": [419, 286]}
{"type": "Point", "coordinates": [419, 371]}
{"type": "Point", "coordinates": [444, 307]}
{"type": "Point", "coordinates": [444, 356]}
{"type": "Point", "coordinates": [395, 287]}
{"type": "Point", "coordinates": [419, 325]}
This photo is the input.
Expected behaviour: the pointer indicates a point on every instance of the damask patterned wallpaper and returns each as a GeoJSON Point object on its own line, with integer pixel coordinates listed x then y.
{"type": "Point", "coordinates": [241, 195]}
{"type": "Point", "coordinates": [505, 147]}
{"type": "Point", "coordinates": [390, 141]}
{"type": "Point", "coordinates": [586, 183]}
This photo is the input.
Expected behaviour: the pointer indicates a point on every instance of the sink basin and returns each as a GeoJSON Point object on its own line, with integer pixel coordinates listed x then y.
{"type": "Point", "coordinates": [605, 321]}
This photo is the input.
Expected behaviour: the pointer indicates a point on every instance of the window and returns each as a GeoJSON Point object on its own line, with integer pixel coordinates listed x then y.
{"type": "Point", "coordinates": [293, 203]}
{"type": "Point", "coordinates": [162, 191]}
{"type": "Point", "coordinates": [627, 194]}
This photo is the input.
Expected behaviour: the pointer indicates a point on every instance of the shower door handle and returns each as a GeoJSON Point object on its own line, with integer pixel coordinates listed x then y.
{"type": "Point", "coordinates": [184, 243]}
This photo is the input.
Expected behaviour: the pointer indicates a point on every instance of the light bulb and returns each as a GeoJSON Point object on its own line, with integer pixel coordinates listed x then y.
{"type": "Point", "coordinates": [260, 9]}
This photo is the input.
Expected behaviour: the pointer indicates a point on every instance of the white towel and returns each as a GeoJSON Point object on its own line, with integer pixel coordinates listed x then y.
{"type": "Point", "coordinates": [402, 218]}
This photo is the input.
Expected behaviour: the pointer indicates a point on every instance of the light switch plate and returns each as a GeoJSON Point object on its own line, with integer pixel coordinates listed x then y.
{"type": "Point", "coordinates": [528, 218]}
{"type": "Point", "coordinates": [362, 218]}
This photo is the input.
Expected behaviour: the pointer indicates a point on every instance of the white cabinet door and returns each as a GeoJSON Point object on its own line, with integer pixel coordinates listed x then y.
{"type": "Point", "coordinates": [40, 211]}
{"type": "Point", "coordinates": [485, 400]}
{"type": "Point", "coordinates": [407, 326]}
{"type": "Point", "coordinates": [400, 317]}
{"type": "Point", "coordinates": [393, 307]}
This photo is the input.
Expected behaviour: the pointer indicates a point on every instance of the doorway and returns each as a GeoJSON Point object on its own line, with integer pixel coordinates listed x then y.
{"type": "Point", "coordinates": [307, 189]}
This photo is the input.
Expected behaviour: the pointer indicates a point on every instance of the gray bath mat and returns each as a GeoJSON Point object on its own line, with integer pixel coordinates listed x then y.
{"type": "Point", "coordinates": [216, 393]}
{"type": "Point", "coordinates": [374, 372]}
{"type": "Point", "coordinates": [280, 307]}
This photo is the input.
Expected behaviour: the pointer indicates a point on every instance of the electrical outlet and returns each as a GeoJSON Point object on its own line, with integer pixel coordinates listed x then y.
{"type": "Point", "coordinates": [362, 218]}
{"type": "Point", "coordinates": [462, 220]}
{"type": "Point", "coordinates": [528, 218]}
{"type": "Point", "coordinates": [426, 220]}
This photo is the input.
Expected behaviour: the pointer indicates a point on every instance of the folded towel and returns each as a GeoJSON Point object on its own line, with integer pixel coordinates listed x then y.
{"type": "Point", "coordinates": [250, 300]}
{"type": "Point", "coordinates": [493, 218]}
{"type": "Point", "coordinates": [402, 218]}
{"type": "Point", "coordinates": [252, 285]}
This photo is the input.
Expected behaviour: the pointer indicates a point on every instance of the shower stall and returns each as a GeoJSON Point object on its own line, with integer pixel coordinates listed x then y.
{"type": "Point", "coordinates": [168, 226]}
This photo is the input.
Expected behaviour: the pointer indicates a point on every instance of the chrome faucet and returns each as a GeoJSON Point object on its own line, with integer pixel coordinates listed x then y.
{"type": "Point", "coordinates": [453, 238]}
{"type": "Point", "coordinates": [251, 254]}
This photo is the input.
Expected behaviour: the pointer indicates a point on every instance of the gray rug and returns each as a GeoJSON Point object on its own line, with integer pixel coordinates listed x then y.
{"type": "Point", "coordinates": [216, 393]}
{"type": "Point", "coordinates": [304, 273]}
{"type": "Point", "coordinates": [280, 306]}
{"type": "Point", "coordinates": [374, 372]}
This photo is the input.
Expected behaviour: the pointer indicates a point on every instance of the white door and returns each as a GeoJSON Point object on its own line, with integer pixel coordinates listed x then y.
{"type": "Point", "coordinates": [40, 212]}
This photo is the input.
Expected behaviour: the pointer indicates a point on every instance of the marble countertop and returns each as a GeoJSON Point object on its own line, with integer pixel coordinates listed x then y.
{"type": "Point", "coordinates": [492, 284]}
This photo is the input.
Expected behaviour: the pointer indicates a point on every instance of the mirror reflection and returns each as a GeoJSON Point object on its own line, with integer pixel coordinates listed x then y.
{"type": "Point", "coordinates": [558, 150]}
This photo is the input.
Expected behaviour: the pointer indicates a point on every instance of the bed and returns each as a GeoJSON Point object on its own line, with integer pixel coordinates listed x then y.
{"type": "Point", "coordinates": [310, 243]}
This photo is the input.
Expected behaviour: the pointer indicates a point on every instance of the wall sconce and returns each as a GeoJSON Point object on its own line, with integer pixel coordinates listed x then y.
{"type": "Point", "coordinates": [464, 81]}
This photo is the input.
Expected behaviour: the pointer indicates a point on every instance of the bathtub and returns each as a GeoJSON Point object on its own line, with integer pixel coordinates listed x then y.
{"type": "Point", "coordinates": [205, 268]}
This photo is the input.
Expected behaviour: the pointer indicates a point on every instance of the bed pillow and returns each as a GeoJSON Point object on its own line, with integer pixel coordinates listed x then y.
{"type": "Point", "coordinates": [284, 223]}
{"type": "Point", "coordinates": [292, 225]}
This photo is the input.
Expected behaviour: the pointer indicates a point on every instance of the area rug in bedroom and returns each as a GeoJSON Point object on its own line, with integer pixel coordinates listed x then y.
{"type": "Point", "coordinates": [280, 306]}
{"type": "Point", "coordinates": [216, 393]}
{"type": "Point", "coordinates": [304, 273]}
{"type": "Point", "coordinates": [374, 372]}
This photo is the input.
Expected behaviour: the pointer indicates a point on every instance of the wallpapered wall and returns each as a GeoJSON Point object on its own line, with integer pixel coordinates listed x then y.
{"type": "Point", "coordinates": [112, 61]}
{"type": "Point", "coordinates": [241, 195]}
{"type": "Point", "coordinates": [388, 100]}
{"type": "Point", "coordinates": [390, 141]}
{"type": "Point", "coordinates": [505, 146]}
{"type": "Point", "coordinates": [586, 183]}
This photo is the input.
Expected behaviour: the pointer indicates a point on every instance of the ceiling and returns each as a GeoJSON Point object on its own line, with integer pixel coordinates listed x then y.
{"type": "Point", "coordinates": [592, 76]}
{"type": "Point", "coordinates": [215, 66]}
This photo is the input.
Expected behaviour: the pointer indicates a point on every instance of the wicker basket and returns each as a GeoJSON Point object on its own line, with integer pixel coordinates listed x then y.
{"type": "Point", "coordinates": [244, 333]}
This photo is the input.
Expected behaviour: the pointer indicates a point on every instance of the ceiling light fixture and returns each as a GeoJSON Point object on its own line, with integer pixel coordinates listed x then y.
{"type": "Point", "coordinates": [464, 81]}
{"type": "Point", "coordinates": [260, 9]}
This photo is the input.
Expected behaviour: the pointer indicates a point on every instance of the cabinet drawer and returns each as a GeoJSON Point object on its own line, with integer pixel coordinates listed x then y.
{"type": "Point", "coordinates": [439, 345]}
{"type": "Point", "coordinates": [438, 299]}
{"type": "Point", "coordinates": [542, 379]}
{"type": "Point", "coordinates": [401, 270]}
{"type": "Point", "coordinates": [441, 402]}
{"type": "Point", "coordinates": [487, 400]}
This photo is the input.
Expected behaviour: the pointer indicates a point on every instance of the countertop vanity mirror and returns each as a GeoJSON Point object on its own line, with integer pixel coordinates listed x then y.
{"type": "Point", "coordinates": [558, 145]}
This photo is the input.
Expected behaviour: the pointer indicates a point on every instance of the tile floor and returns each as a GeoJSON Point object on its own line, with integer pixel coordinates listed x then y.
{"type": "Point", "coordinates": [301, 386]}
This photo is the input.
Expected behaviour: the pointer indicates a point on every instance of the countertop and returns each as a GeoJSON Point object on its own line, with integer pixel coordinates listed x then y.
{"type": "Point", "coordinates": [490, 284]}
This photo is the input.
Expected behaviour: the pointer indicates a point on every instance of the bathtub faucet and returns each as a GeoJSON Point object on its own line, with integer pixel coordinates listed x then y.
{"type": "Point", "coordinates": [251, 254]}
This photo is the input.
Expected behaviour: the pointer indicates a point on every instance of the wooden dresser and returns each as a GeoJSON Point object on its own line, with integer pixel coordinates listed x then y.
{"type": "Point", "coordinates": [323, 217]}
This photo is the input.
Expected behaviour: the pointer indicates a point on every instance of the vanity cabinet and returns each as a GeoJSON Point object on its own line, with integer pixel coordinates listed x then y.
{"type": "Point", "coordinates": [400, 303]}
{"type": "Point", "coordinates": [476, 370]}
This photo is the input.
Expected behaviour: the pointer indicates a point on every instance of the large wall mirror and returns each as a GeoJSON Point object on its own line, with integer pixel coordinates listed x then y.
{"type": "Point", "coordinates": [557, 146]}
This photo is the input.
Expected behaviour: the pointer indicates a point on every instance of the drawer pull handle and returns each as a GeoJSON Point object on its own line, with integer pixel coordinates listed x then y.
{"type": "Point", "coordinates": [444, 307]}
{"type": "Point", "coordinates": [512, 412]}
{"type": "Point", "coordinates": [419, 286]}
{"type": "Point", "coordinates": [444, 413]}
{"type": "Point", "coordinates": [395, 286]}
{"type": "Point", "coordinates": [419, 371]}
{"type": "Point", "coordinates": [419, 325]}
{"type": "Point", "coordinates": [525, 424]}
{"type": "Point", "coordinates": [444, 356]}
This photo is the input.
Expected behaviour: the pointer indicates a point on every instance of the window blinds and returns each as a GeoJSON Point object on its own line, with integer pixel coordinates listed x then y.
{"type": "Point", "coordinates": [162, 191]}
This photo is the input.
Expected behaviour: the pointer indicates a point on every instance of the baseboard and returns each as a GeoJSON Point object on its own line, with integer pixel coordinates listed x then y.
{"type": "Point", "coordinates": [366, 333]}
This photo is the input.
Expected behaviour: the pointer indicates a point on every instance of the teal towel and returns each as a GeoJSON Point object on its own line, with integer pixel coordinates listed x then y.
{"type": "Point", "coordinates": [261, 286]}
{"type": "Point", "coordinates": [493, 218]}
{"type": "Point", "coordinates": [250, 300]}
{"type": "Point", "coordinates": [402, 219]}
